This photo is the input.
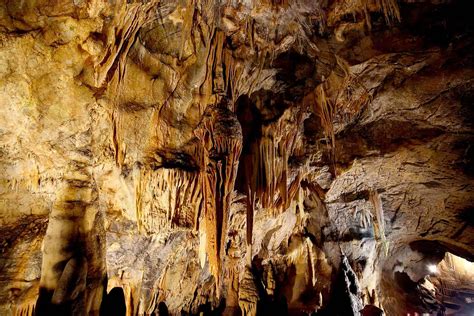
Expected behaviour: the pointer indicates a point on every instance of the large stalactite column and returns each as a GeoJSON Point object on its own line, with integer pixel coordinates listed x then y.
{"type": "Point", "coordinates": [221, 136]}
{"type": "Point", "coordinates": [73, 265]}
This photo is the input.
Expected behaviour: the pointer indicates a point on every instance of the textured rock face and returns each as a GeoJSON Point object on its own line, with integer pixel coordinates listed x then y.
{"type": "Point", "coordinates": [233, 157]}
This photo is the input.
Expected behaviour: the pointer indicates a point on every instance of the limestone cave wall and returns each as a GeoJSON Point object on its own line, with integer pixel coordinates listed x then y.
{"type": "Point", "coordinates": [234, 157]}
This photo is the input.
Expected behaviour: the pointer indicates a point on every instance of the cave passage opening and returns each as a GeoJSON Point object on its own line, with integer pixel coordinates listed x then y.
{"type": "Point", "coordinates": [453, 284]}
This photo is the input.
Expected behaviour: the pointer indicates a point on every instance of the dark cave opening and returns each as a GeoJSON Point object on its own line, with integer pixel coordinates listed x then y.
{"type": "Point", "coordinates": [114, 303]}
{"type": "Point", "coordinates": [251, 120]}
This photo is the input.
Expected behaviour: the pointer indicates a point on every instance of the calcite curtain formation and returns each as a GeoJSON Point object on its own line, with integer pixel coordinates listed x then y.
{"type": "Point", "coordinates": [273, 157]}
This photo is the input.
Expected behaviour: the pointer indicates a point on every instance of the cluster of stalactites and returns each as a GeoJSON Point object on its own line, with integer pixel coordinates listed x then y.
{"type": "Point", "coordinates": [269, 173]}
{"type": "Point", "coordinates": [25, 310]}
{"type": "Point", "coordinates": [220, 134]}
{"type": "Point", "coordinates": [167, 198]}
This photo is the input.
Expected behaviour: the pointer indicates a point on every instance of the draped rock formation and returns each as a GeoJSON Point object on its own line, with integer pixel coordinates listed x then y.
{"type": "Point", "coordinates": [221, 137]}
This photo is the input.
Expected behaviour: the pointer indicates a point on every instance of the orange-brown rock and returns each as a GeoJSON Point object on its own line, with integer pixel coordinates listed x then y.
{"type": "Point", "coordinates": [236, 157]}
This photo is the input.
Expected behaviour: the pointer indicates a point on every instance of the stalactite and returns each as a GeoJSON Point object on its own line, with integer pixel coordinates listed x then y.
{"type": "Point", "coordinates": [312, 260]}
{"type": "Point", "coordinates": [205, 89]}
{"type": "Point", "coordinates": [250, 214]}
{"type": "Point", "coordinates": [218, 84]}
{"type": "Point", "coordinates": [379, 226]}
{"type": "Point", "coordinates": [221, 136]}
{"type": "Point", "coordinates": [233, 76]}
{"type": "Point", "coordinates": [131, 300]}
{"type": "Point", "coordinates": [29, 178]}
{"type": "Point", "coordinates": [325, 109]}
{"type": "Point", "coordinates": [137, 181]}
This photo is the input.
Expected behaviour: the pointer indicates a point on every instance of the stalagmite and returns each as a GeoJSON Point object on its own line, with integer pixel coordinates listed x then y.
{"type": "Point", "coordinates": [221, 137]}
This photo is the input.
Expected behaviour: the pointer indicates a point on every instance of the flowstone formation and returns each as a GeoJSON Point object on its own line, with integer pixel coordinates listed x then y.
{"type": "Point", "coordinates": [240, 157]}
